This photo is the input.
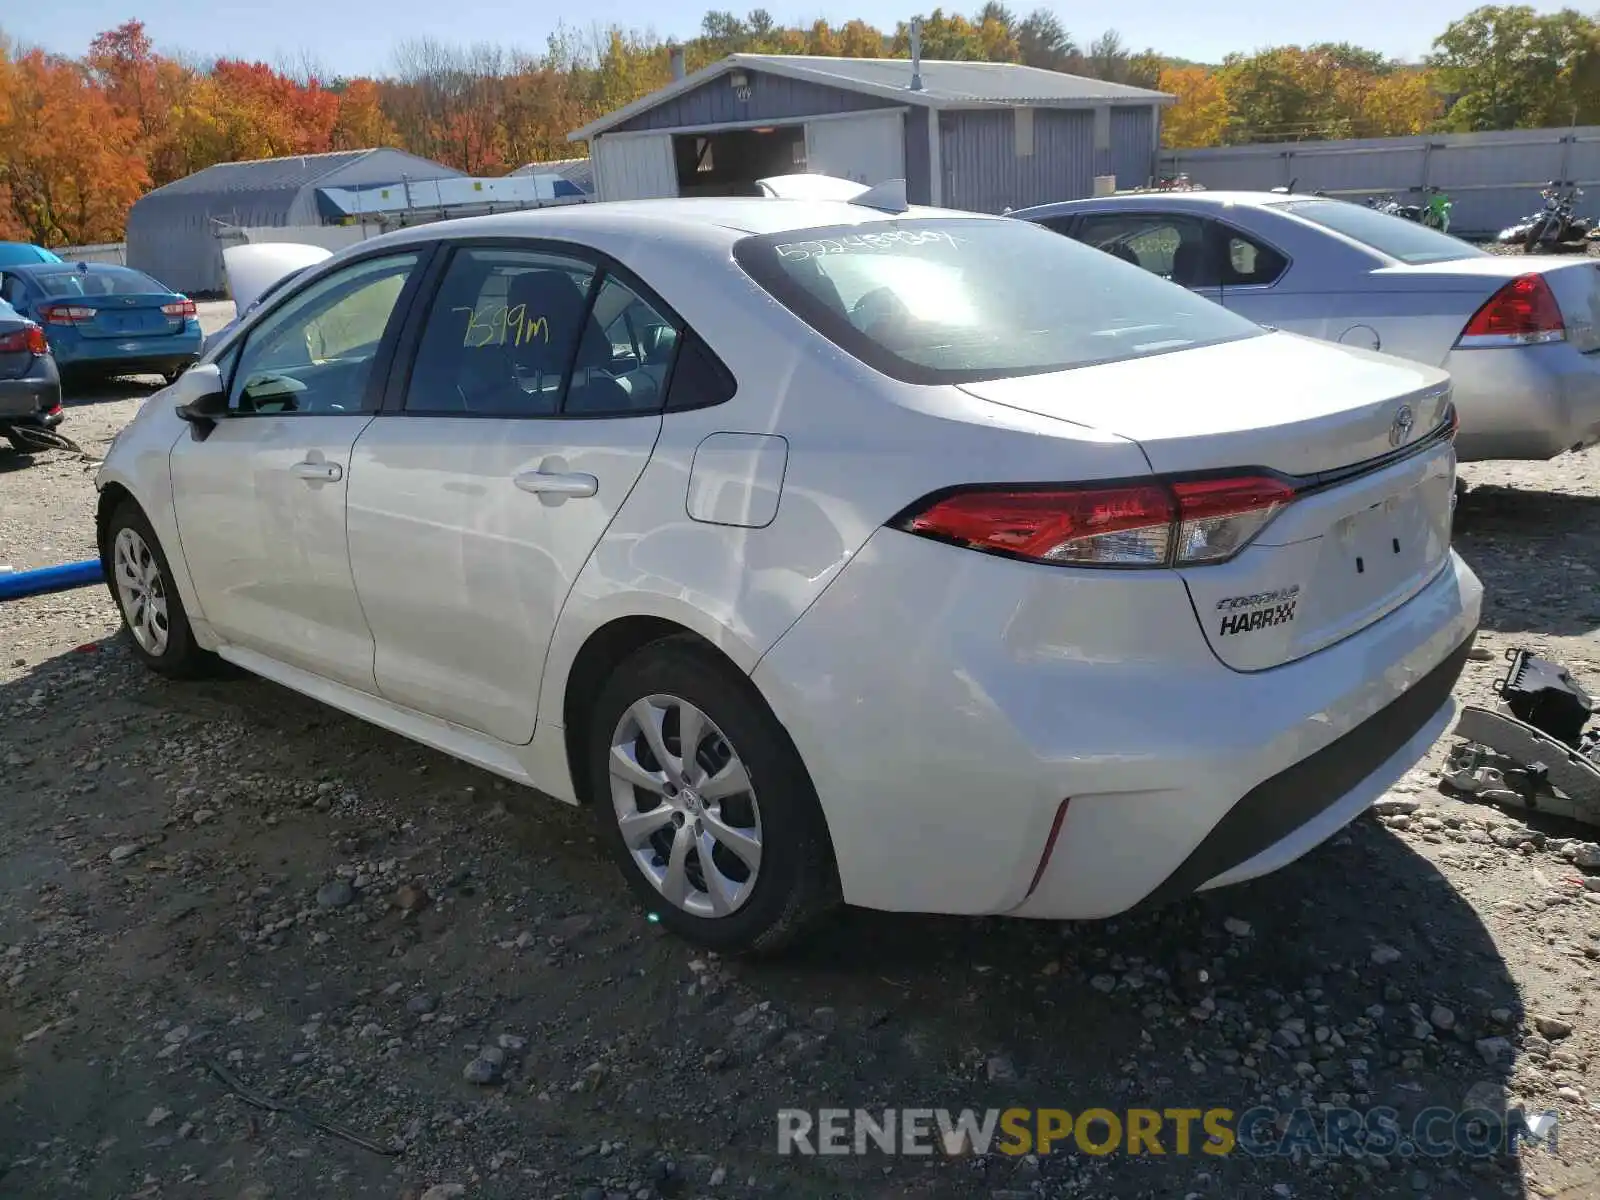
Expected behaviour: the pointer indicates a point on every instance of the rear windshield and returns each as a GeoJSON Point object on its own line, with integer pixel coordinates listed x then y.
{"type": "Point", "coordinates": [956, 301]}
{"type": "Point", "coordinates": [108, 281]}
{"type": "Point", "coordinates": [1396, 237]}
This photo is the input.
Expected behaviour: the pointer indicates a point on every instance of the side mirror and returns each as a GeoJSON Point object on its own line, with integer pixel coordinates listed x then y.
{"type": "Point", "coordinates": [202, 400]}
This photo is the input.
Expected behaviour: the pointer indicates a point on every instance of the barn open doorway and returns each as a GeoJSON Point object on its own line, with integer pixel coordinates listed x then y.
{"type": "Point", "coordinates": [729, 163]}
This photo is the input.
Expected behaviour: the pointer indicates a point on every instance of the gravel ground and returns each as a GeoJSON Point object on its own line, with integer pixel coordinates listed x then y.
{"type": "Point", "coordinates": [227, 876]}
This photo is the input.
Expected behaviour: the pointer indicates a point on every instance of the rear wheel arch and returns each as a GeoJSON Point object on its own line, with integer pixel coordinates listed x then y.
{"type": "Point", "coordinates": [605, 650]}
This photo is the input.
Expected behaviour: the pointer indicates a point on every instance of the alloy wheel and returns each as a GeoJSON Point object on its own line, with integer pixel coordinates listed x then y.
{"type": "Point", "coordinates": [141, 591]}
{"type": "Point", "coordinates": [685, 806]}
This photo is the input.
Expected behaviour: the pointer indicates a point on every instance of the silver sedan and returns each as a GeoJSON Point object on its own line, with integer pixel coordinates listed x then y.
{"type": "Point", "coordinates": [1519, 335]}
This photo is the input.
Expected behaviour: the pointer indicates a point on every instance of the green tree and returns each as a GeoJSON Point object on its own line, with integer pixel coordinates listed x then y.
{"type": "Point", "coordinates": [1510, 67]}
{"type": "Point", "coordinates": [1042, 42]}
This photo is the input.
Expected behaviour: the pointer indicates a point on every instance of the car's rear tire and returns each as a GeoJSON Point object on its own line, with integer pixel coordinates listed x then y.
{"type": "Point", "coordinates": [730, 850]}
{"type": "Point", "coordinates": [140, 579]}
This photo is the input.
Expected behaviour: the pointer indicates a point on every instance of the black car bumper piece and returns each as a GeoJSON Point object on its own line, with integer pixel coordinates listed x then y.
{"type": "Point", "coordinates": [1276, 807]}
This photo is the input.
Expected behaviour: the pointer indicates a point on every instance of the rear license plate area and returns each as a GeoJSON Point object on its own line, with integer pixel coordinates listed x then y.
{"type": "Point", "coordinates": [1381, 546]}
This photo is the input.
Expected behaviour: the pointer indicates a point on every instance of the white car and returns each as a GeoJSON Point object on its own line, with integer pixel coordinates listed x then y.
{"type": "Point", "coordinates": [826, 552]}
{"type": "Point", "coordinates": [1519, 336]}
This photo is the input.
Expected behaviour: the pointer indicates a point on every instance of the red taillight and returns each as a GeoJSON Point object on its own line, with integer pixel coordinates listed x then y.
{"type": "Point", "coordinates": [66, 314]}
{"type": "Point", "coordinates": [179, 308]}
{"type": "Point", "coordinates": [1183, 522]}
{"type": "Point", "coordinates": [1522, 313]}
{"type": "Point", "coordinates": [28, 340]}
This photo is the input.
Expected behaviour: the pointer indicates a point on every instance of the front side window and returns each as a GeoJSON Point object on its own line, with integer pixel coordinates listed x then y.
{"type": "Point", "coordinates": [949, 300]}
{"type": "Point", "coordinates": [315, 352]}
{"type": "Point", "coordinates": [529, 333]}
{"type": "Point", "coordinates": [1393, 237]}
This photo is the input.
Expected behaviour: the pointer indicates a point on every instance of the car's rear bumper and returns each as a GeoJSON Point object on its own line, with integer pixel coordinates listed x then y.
{"type": "Point", "coordinates": [34, 399]}
{"type": "Point", "coordinates": [946, 709]}
{"type": "Point", "coordinates": [1528, 402]}
{"type": "Point", "coordinates": [133, 354]}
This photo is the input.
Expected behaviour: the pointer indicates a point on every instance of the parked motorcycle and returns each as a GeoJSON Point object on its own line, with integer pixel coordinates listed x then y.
{"type": "Point", "coordinates": [1435, 213]}
{"type": "Point", "coordinates": [1556, 227]}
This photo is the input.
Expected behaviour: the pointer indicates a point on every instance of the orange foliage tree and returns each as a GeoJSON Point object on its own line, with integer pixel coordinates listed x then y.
{"type": "Point", "coordinates": [69, 161]}
{"type": "Point", "coordinates": [1200, 115]}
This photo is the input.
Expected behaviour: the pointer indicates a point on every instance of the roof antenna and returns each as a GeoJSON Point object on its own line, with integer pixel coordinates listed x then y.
{"type": "Point", "coordinates": [916, 54]}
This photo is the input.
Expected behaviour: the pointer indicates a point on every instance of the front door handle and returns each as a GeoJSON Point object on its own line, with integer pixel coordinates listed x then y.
{"type": "Point", "coordinates": [557, 483]}
{"type": "Point", "coordinates": [318, 472]}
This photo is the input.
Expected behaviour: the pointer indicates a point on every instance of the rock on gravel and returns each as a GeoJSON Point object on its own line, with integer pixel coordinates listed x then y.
{"type": "Point", "coordinates": [481, 1071]}
{"type": "Point", "coordinates": [336, 893]}
{"type": "Point", "coordinates": [1553, 1028]}
{"type": "Point", "coordinates": [1493, 1049]}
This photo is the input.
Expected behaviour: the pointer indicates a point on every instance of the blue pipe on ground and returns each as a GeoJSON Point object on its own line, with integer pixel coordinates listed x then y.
{"type": "Point", "coordinates": [16, 584]}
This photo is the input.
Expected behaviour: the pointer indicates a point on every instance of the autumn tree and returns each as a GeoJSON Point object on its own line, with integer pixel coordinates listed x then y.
{"type": "Point", "coordinates": [1200, 115]}
{"type": "Point", "coordinates": [360, 122]}
{"type": "Point", "coordinates": [69, 160]}
{"type": "Point", "coordinates": [1400, 103]}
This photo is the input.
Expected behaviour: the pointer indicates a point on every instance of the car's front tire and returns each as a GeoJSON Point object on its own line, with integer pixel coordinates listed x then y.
{"type": "Point", "coordinates": [723, 842]}
{"type": "Point", "coordinates": [140, 579]}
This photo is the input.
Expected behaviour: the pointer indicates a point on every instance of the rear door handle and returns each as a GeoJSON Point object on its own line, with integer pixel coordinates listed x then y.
{"type": "Point", "coordinates": [556, 483]}
{"type": "Point", "coordinates": [318, 472]}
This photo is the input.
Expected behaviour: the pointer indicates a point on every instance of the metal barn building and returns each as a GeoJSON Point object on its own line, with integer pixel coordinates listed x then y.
{"type": "Point", "coordinates": [172, 231]}
{"type": "Point", "coordinates": [578, 173]}
{"type": "Point", "coordinates": [970, 135]}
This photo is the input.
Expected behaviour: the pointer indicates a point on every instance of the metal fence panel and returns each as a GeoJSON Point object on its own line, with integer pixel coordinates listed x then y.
{"type": "Point", "coordinates": [1492, 178]}
{"type": "Point", "coordinates": [101, 252]}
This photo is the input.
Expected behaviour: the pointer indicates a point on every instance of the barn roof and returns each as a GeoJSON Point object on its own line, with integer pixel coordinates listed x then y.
{"type": "Point", "coordinates": [577, 171]}
{"type": "Point", "coordinates": [293, 173]}
{"type": "Point", "coordinates": [945, 84]}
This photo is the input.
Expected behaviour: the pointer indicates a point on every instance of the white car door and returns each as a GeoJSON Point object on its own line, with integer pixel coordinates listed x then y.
{"type": "Point", "coordinates": [477, 495]}
{"type": "Point", "coordinates": [260, 500]}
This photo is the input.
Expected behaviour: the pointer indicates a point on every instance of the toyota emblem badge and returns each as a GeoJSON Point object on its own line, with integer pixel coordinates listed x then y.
{"type": "Point", "coordinates": [1400, 429]}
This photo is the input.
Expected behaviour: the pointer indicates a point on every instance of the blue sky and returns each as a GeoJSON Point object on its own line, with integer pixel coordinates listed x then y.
{"type": "Point", "coordinates": [350, 38]}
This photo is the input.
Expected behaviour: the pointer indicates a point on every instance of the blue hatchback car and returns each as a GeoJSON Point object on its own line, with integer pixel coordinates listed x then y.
{"type": "Point", "coordinates": [106, 319]}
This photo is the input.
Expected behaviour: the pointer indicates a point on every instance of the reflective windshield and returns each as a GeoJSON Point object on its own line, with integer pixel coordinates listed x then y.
{"type": "Point", "coordinates": [955, 301]}
{"type": "Point", "coordinates": [1393, 236]}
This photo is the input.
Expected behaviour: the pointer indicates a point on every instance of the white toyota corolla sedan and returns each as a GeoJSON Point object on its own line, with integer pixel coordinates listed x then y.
{"type": "Point", "coordinates": [920, 560]}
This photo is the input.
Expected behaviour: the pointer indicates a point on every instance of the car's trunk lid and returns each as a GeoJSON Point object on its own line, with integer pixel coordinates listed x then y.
{"type": "Point", "coordinates": [254, 267]}
{"type": "Point", "coordinates": [13, 363]}
{"type": "Point", "coordinates": [131, 315]}
{"type": "Point", "coordinates": [1371, 523]}
{"type": "Point", "coordinates": [1575, 282]}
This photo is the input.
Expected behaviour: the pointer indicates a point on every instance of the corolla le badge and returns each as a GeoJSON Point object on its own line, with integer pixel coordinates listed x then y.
{"type": "Point", "coordinates": [1400, 428]}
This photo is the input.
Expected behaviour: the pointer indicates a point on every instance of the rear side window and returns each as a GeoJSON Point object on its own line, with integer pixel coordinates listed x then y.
{"type": "Point", "coordinates": [1393, 236]}
{"type": "Point", "coordinates": [952, 301]}
{"type": "Point", "coordinates": [1247, 262]}
{"type": "Point", "coordinates": [534, 333]}
{"type": "Point", "coordinates": [108, 281]}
